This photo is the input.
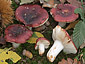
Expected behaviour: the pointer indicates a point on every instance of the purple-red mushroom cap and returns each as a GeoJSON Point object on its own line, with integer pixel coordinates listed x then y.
{"type": "Point", "coordinates": [64, 13]}
{"type": "Point", "coordinates": [31, 15]}
{"type": "Point", "coordinates": [17, 33]}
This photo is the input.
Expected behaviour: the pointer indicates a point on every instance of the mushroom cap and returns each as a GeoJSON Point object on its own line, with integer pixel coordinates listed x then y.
{"type": "Point", "coordinates": [17, 33]}
{"type": "Point", "coordinates": [43, 41]}
{"type": "Point", "coordinates": [31, 15]}
{"type": "Point", "coordinates": [61, 35]}
{"type": "Point", "coordinates": [64, 13]}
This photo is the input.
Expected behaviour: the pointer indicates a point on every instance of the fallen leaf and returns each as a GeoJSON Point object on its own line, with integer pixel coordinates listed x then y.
{"type": "Point", "coordinates": [40, 28]}
{"type": "Point", "coordinates": [25, 1]}
{"type": "Point", "coordinates": [75, 61]}
{"type": "Point", "coordinates": [69, 61]}
{"type": "Point", "coordinates": [71, 25]}
{"type": "Point", "coordinates": [64, 61]}
{"type": "Point", "coordinates": [78, 3]}
{"type": "Point", "coordinates": [82, 46]}
{"type": "Point", "coordinates": [62, 1]}
{"type": "Point", "coordinates": [34, 37]}
{"type": "Point", "coordinates": [48, 3]}
{"type": "Point", "coordinates": [6, 54]}
{"type": "Point", "coordinates": [6, 13]}
{"type": "Point", "coordinates": [17, 1]}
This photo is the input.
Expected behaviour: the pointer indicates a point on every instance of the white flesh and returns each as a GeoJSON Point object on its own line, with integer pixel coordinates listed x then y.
{"type": "Point", "coordinates": [41, 48]}
{"type": "Point", "coordinates": [61, 35]}
{"type": "Point", "coordinates": [55, 50]}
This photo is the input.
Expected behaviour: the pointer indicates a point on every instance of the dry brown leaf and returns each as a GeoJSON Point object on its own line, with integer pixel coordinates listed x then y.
{"type": "Point", "coordinates": [64, 61]}
{"type": "Point", "coordinates": [82, 46]}
{"type": "Point", "coordinates": [73, 2]}
{"type": "Point", "coordinates": [6, 12]}
{"type": "Point", "coordinates": [48, 3]}
{"type": "Point", "coordinates": [62, 1]}
{"type": "Point", "coordinates": [60, 63]}
{"type": "Point", "coordinates": [75, 61]}
{"type": "Point", "coordinates": [17, 1]}
{"type": "Point", "coordinates": [26, 1]}
{"type": "Point", "coordinates": [69, 61]}
{"type": "Point", "coordinates": [79, 62]}
{"type": "Point", "coordinates": [71, 25]}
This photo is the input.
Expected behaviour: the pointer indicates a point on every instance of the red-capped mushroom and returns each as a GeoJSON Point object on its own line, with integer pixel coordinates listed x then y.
{"type": "Point", "coordinates": [17, 34]}
{"type": "Point", "coordinates": [64, 13]}
{"type": "Point", "coordinates": [31, 15]}
{"type": "Point", "coordinates": [62, 41]}
{"type": "Point", "coordinates": [42, 44]}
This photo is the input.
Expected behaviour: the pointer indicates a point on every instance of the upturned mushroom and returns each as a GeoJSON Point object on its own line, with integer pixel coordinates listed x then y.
{"type": "Point", "coordinates": [17, 34]}
{"type": "Point", "coordinates": [64, 13]}
{"type": "Point", "coordinates": [42, 44]}
{"type": "Point", "coordinates": [62, 41]}
{"type": "Point", "coordinates": [32, 15]}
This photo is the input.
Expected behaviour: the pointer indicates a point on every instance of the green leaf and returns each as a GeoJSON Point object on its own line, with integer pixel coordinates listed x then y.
{"type": "Point", "coordinates": [79, 33]}
{"type": "Point", "coordinates": [84, 53]}
{"type": "Point", "coordinates": [34, 35]}
{"type": "Point", "coordinates": [79, 11]}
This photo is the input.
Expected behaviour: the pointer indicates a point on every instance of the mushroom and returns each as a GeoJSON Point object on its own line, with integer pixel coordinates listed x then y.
{"type": "Point", "coordinates": [32, 15]}
{"type": "Point", "coordinates": [17, 34]}
{"type": "Point", "coordinates": [64, 13]}
{"type": "Point", "coordinates": [62, 41]}
{"type": "Point", "coordinates": [42, 44]}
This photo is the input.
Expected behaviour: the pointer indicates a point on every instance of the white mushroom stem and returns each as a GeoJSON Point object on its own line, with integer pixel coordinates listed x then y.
{"type": "Point", "coordinates": [41, 48]}
{"type": "Point", "coordinates": [55, 50]}
{"type": "Point", "coordinates": [62, 24]}
{"type": "Point", "coordinates": [15, 45]}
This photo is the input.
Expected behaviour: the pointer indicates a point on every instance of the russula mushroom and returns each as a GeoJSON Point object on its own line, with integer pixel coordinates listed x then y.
{"type": "Point", "coordinates": [31, 15]}
{"type": "Point", "coordinates": [64, 13]}
{"type": "Point", "coordinates": [17, 34]}
{"type": "Point", "coordinates": [62, 41]}
{"type": "Point", "coordinates": [42, 44]}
